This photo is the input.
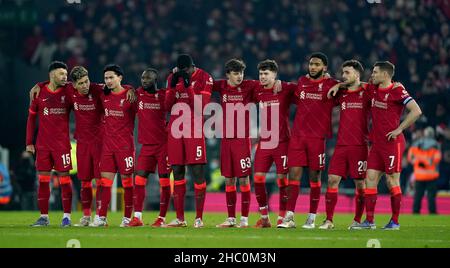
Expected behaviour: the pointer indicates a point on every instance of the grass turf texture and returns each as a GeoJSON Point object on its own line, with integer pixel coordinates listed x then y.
{"type": "Point", "coordinates": [416, 231]}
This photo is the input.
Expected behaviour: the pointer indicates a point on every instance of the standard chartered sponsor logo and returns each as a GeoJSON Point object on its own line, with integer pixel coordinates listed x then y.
{"type": "Point", "coordinates": [54, 111]}
{"type": "Point", "coordinates": [189, 123]}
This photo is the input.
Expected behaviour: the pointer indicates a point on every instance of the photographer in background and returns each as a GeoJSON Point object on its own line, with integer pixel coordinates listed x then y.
{"type": "Point", "coordinates": [425, 155]}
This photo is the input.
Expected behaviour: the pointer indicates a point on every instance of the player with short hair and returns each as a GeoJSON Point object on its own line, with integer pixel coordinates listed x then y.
{"type": "Point", "coordinates": [118, 143]}
{"type": "Point", "coordinates": [189, 90]}
{"type": "Point", "coordinates": [235, 151]}
{"type": "Point", "coordinates": [52, 144]}
{"type": "Point", "coordinates": [272, 105]}
{"type": "Point", "coordinates": [388, 143]}
{"type": "Point", "coordinates": [350, 154]}
{"type": "Point", "coordinates": [312, 125]}
{"type": "Point", "coordinates": [84, 98]}
{"type": "Point", "coordinates": [152, 134]}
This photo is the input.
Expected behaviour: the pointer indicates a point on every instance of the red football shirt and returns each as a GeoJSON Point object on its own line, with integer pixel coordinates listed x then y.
{"type": "Point", "coordinates": [119, 122]}
{"type": "Point", "coordinates": [313, 117]}
{"type": "Point", "coordinates": [229, 95]}
{"type": "Point", "coordinates": [355, 109]}
{"type": "Point", "coordinates": [151, 117]}
{"type": "Point", "coordinates": [88, 111]}
{"type": "Point", "coordinates": [52, 109]}
{"type": "Point", "coordinates": [266, 98]}
{"type": "Point", "coordinates": [200, 85]}
{"type": "Point", "coordinates": [387, 108]}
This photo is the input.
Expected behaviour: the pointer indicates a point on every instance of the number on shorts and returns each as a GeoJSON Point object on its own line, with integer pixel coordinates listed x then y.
{"type": "Point", "coordinates": [199, 151]}
{"type": "Point", "coordinates": [129, 162]}
{"type": "Point", "coordinates": [392, 158]}
{"type": "Point", "coordinates": [66, 159]}
{"type": "Point", "coordinates": [362, 166]}
{"type": "Point", "coordinates": [322, 159]}
{"type": "Point", "coordinates": [284, 157]}
{"type": "Point", "coordinates": [246, 163]}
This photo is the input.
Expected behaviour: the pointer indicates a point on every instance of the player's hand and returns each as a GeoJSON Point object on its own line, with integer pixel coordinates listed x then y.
{"type": "Point", "coordinates": [131, 95]}
{"type": "Point", "coordinates": [277, 87]}
{"type": "Point", "coordinates": [174, 79]}
{"type": "Point", "coordinates": [327, 76]}
{"type": "Point", "coordinates": [398, 84]}
{"type": "Point", "coordinates": [393, 134]}
{"type": "Point", "coordinates": [333, 91]}
{"type": "Point", "coordinates": [34, 92]}
{"type": "Point", "coordinates": [30, 148]}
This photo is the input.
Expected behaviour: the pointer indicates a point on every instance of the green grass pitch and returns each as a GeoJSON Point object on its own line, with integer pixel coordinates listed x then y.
{"type": "Point", "coordinates": [416, 231]}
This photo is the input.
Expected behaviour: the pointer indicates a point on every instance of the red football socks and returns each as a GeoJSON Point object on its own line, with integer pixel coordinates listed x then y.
{"type": "Point", "coordinates": [44, 193]}
{"type": "Point", "coordinates": [179, 191]}
{"type": "Point", "coordinates": [231, 196]}
{"type": "Point", "coordinates": [86, 197]}
{"type": "Point", "coordinates": [314, 196]}
{"type": "Point", "coordinates": [200, 193]}
{"type": "Point", "coordinates": [331, 198]}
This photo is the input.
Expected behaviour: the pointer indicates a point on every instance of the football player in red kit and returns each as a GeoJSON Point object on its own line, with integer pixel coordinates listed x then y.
{"type": "Point", "coordinates": [52, 147]}
{"type": "Point", "coordinates": [189, 90]}
{"type": "Point", "coordinates": [312, 125]}
{"type": "Point", "coordinates": [388, 143]}
{"type": "Point", "coordinates": [235, 151]}
{"type": "Point", "coordinates": [84, 98]}
{"type": "Point", "coordinates": [118, 143]}
{"type": "Point", "coordinates": [350, 154]}
{"type": "Point", "coordinates": [152, 134]}
{"type": "Point", "coordinates": [275, 107]}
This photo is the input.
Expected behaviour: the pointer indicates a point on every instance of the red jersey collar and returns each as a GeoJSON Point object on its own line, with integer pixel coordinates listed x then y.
{"type": "Point", "coordinates": [387, 88]}
{"type": "Point", "coordinates": [53, 92]}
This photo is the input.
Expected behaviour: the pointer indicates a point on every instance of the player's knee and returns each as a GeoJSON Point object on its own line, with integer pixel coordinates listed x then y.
{"type": "Point", "coordinates": [163, 175]}
{"type": "Point", "coordinates": [295, 173]}
{"type": "Point", "coordinates": [197, 171]}
{"type": "Point", "coordinates": [199, 181]}
{"type": "Point", "coordinates": [244, 180]}
{"type": "Point", "coordinates": [143, 173]}
{"type": "Point", "coordinates": [333, 181]}
{"type": "Point", "coordinates": [359, 183]}
{"type": "Point", "coordinates": [314, 175]}
{"type": "Point", "coordinates": [108, 175]}
{"type": "Point", "coordinates": [178, 172]}
{"type": "Point", "coordinates": [230, 181]}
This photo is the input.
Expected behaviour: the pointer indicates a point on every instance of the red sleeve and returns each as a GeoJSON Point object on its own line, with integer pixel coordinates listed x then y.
{"type": "Point", "coordinates": [218, 85]}
{"type": "Point", "coordinates": [31, 122]}
{"type": "Point", "coordinates": [42, 84]}
{"type": "Point", "coordinates": [170, 99]}
{"type": "Point", "coordinates": [206, 90]}
{"type": "Point", "coordinates": [162, 98]}
{"type": "Point", "coordinates": [254, 85]}
{"type": "Point", "coordinates": [402, 95]}
{"type": "Point", "coordinates": [333, 101]}
{"type": "Point", "coordinates": [97, 88]}
{"type": "Point", "coordinates": [289, 88]}
{"type": "Point", "coordinates": [368, 93]}
{"type": "Point", "coordinates": [168, 81]}
{"type": "Point", "coordinates": [69, 91]}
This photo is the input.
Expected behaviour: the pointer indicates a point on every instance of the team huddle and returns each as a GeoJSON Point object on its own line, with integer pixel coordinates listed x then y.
{"type": "Point", "coordinates": [105, 119]}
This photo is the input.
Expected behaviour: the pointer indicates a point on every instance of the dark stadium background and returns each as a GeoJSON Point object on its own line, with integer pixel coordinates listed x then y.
{"type": "Point", "coordinates": [136, 34]}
